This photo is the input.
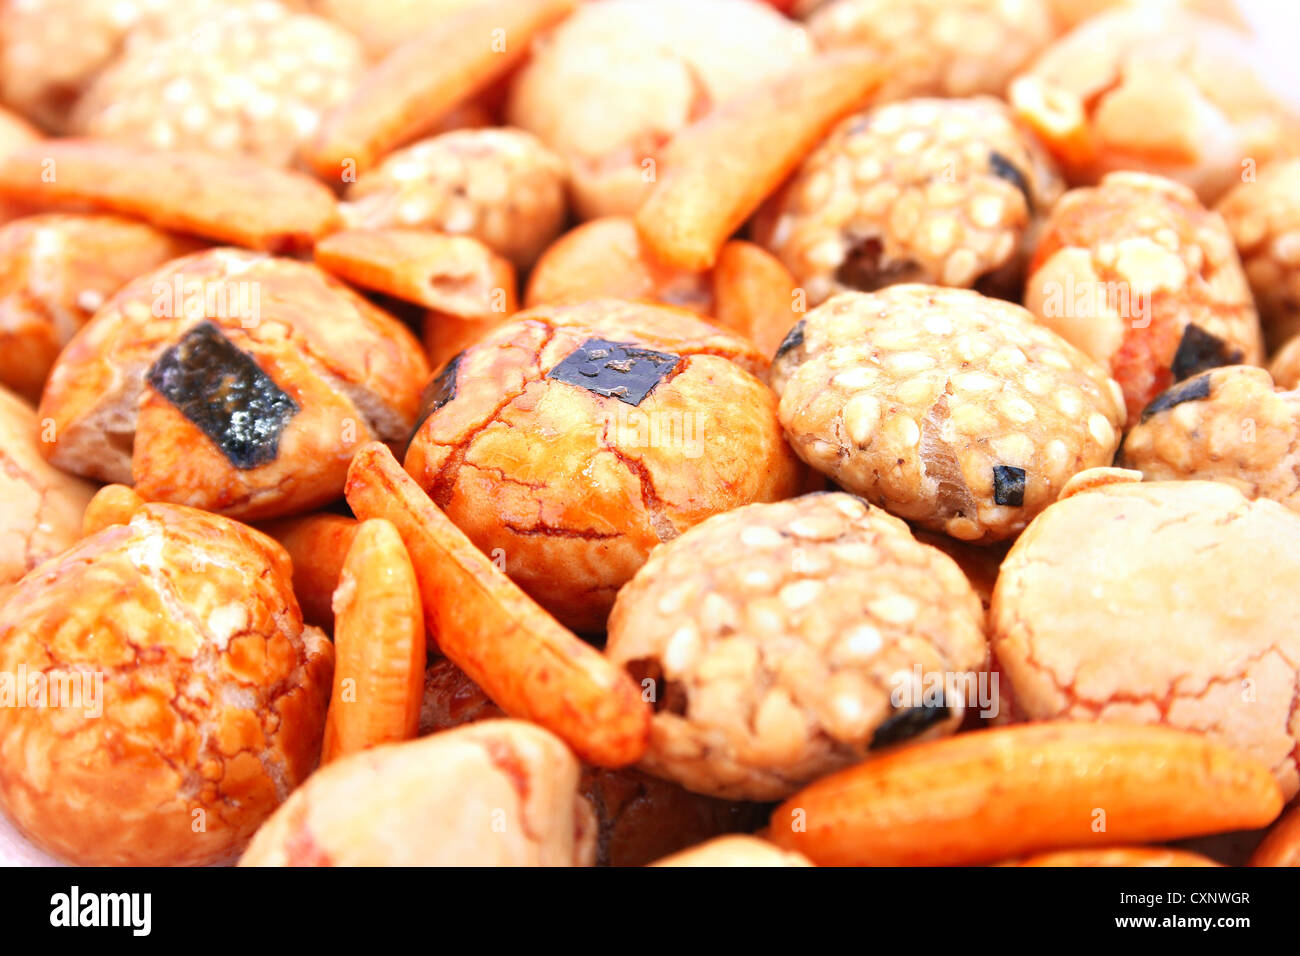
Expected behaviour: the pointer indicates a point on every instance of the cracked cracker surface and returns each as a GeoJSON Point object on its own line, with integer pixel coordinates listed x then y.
{"type": "Point", "coordinates": [1125, 269]}
{"type": "Point", "coordinates": [573, 487]}
{"type": "Point", "coordinates": [213, 695]}
{"type": "Point", "coordinates": [927, 190]}
{"type": "Point", "coordinates": [609, 87]}
{"type": "Point", "coordinates": [1159, 602]}
{"type": "Point", "coordinates": [919, 397]}
{"type": "Point", "coordinates": [776, 670]}
{"type": "Point", "coordinates": [56, 270]}
{"type": "Point", "coordinates": [354, 371]}
{"type": "Point", "coordinates": [40, 506]}
{"type": "Point", "coordinates": [1239, 430]}
{"type": "Point", "coordinates": [495, 793]}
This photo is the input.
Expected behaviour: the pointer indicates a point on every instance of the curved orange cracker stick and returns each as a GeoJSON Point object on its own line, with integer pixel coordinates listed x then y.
{"type": "Point", "coordinates": [446, 335]}
{"type": "Point", "coordinates": [754, 294]}
{"type": "Point", "coordinates": [378, 646]}
{"type": "Point", "coordinates": [992, 794]}
{"type": "Point", "coordinates": [226, 199]}
{"type": "Point", "coordinates": [318, 545]}
{"type": "Point", "coordinates": [454, 274]}
{"type": "Point", "coordinates": [524, 660]}
{"type": "Point", "coordinates": [1281, 847]}
{"type": "Point", "coordinates": [1057, 117]}
{"type": "Point", "coordinates": [604, 258]}
{"type": "Point", "coordinates": [1117, 856]}
{"type": "Point", "coordinates": [408, 92]}
{"type": "Point", "coordinates": [718, 170]}
{"type": "Point", "coordinates": [112, 504]}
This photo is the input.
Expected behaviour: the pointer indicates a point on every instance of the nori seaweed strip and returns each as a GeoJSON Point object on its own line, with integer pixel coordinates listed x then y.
{"type": "Point", "coordinates": [1199, 351]}
{"type": "Point", "coordinates": [906, 723]}
{"type": "Point", "coordinates": [1009, 485]}
{"type": "Point", "coordinates": [1003, 168]}
{"type": "Point", "coordinates": [793, 339]}
{"type": "Point", "coordinates": [440, 390]}
{"type": "Point", "coordinates": [619, 370]}
{"type": "Point", "coordinates": [1191, 391]}
{"type": "Point", "coordinates": [226, 394]}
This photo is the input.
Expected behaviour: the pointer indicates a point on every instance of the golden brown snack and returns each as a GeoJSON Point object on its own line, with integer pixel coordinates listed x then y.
{"type": "Point", "coordinates": [528, 663]}
{"type": "Point", "coordinates": [56, 270]}
{"type": "Point", "coordinates": [1138, 274]}
{"type": "Point", "coordinates": [406, 93]}
{"type": "Point", "coordinates": [233, 381]}
{"type": "Point", "coordinates": [1143, 856]}
{"type": "Point", "coordinates": [718, 170]}
{"type": "Point", "coordinates": [1285, 365]}
{"type": "Point", "coordinates": [14, 132]}
{"type": "Point", "coordinates": [216, 197]}
{"type": "Point", "coordinates": [639, 818]}
{"type": "Point", "coordinates": [1155, 89]}
{"type": "Point", "coordinates": [445, 335]}
{"type": "Point", "coordinates": [1264, 217]}
{"type": "Point", "coordinates": [40, 506]}
{"type": "Point", "coordinates": [191, 695]}
{"type": "Point", "coordinates": [937, 47]}
{"type": "Point", "coordinates": [979, 562]}
{"type": "Point", "coordinates": [948, 192]}
{"type": "Point", "coordinates": [953, 410]}
{"type": "Point", "coordinates": [251, 79]}
{"type": "Point", "coordinates": [649, 419]}
{"type": "Point", "coordinates": [1282, 845]}
{"type": "Point", "coordinates": [112, 504]}
{"type": "Point", "coordinates": [51, 50]}
{"type": "Point", "coordinates": [747, 291]}
{"type": "Point", "coordinates": [1068, 14]}
{"type": "Point", "coordinates": [382, 25]}
{"type": "Point", "coordinates": [318, 545]}
{"type": "Point", "coordinates": [838, 634]}
{"type": "Point", "coordinates": [991, 794]}
{"type": "Point", "coordinates": [500, 186]}
{"type": "Point", "coordinates": [499, 793]}
{"type": "Point", "coordinates": [1228, 425]}
{"type": "Point", "coordinates": [455, 275]}
{"type": "Point", "coordinates": [379, 646]}
{"type": "Point", "coordinates": [734, 851]}
{"type": "Point", "coordinates": [755, 295]}
{"type": "Point", "coordinates": [1074, 615]}
{"type": "Point", "coordinates": [611, 86]}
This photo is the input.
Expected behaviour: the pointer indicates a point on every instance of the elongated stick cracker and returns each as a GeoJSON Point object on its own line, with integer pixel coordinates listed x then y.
{"type": "Point", "coordinates": [228, 200]}
{"type": "Point", "coordinates": [408, 92]}
{"type": "Point", "coordinates": [318, 545]}
{"type": "Point", "coordinates": [1117, 856]}
{"type": "Point", "coordinates": [993, 794]}
{"type": "Point", "coordinates": [718, 170]}
{"type": "Point", "coordinates": [454, 274]}
{"type": "Point", "coordinates": [524, 660]}
{"type": "Point", "coordinates": [379, 647]}
{"type": "Point", "coordinates": [445, 336]}
{"type": "Point", "coordinates": [1281, 847]}
{"type": "Point", "coordinates": [754, 294]}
